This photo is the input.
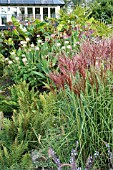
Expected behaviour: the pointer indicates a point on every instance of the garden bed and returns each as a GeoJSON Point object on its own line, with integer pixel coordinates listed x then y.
{"type": "Point", "coordinates": [57, 95]}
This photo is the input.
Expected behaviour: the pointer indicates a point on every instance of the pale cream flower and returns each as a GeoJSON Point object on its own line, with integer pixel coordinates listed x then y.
{"type": "Point", "coordinates": [6, 59]}
{"type": "Point", "coordinates": [39, 41]}
{"type": "Point", "coordinates": [58, 44]}
{"type": "Point", "coordinates": [38, 35]}
{"type": "Point", "coordinates": [63, 47]}
{"type": "Point", "coordinates": [69, 46]}
{"type": "Point", "coordinates": [32, 45]}
{"type": "Point", "coordinates": [37, 48]}
{"type": "Point", "coordinates": [27, 39]}
{"type": "Point", "coordinates": [24, 60]}
{"type": "Point", "coordinates": [24, 45]}
{"type": "Point", "coordinates": [66, 42]}
{"type": "Point", "coordinates": [12, 53]}
{"type": "Point", "coordinates": [23, 55]}
{"type": "Point", "coordinates": [23, 42]}
{"type": "Point", "coordinates": [16, 58]}
{"type": "Point", "coordinates": [10, 62]}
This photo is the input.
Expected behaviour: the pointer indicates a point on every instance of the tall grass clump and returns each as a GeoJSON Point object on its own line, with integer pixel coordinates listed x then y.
{"type": "Point", "coordinates": [86, 106]}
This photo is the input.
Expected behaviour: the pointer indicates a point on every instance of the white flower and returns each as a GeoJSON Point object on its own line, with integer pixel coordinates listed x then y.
{"type": "Point", "coordinates": [27, 39]}
{"type": "Point", "coordinates": [23, 28]}
{"type": "Point", "coordinates": [23, 42]}
{"type": "Point", "coordinates": [24, 60]}
{"type": "Point", "coordinates": [63, 47]}
{"type": "Point", "coordinates": [23, 55]}
{"type": "Point", "coordinates": [12, 53]}
{"type": "Point", "coordinates": [58, 44]}
{"type": "Point", "coordinates": [38, 35]}
{"type": "Point", "coordinates": [16, 58]}
{"type": "Point", "coordinates": [37, 48]}
{"type": "Point", "coordinates": [32, 45]}
{"type": "Point", "coordinates": [10, 62]}
{"type": "Point", "coordinates": [69, 47]}
{"type": "Point", "coordinates": [39, 41]}
{"type": "Point", "coordinates": [66, 42]}
{"type": "Point", "coordinates": [24, 45]}
{"type": "Point", "coordinates": [6, 59]}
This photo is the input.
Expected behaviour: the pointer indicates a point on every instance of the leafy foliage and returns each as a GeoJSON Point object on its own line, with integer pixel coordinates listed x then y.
{"type": "Point", "coordinates": [23, 132]}
{"type": "Point", "coordinates": [79, 108]}
{"type": "Point", "coordinates": [103, 11]}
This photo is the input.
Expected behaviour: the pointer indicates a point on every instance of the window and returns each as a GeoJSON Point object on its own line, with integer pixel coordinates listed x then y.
{"type": "Point", "coordinates": [30, 12]}
{"type": "Point", "coordinates": [22, 15]}
{"type": "Point", "coordinates": [52, 13]}
{"type": "Point", "coordinates": [45, 13]}
{"type": "Point", "coordinates": [37, 13]}
{"type": "Point", "coordinates": [22, 10]}
{"type": "Point", "coordinates": [4, 20]}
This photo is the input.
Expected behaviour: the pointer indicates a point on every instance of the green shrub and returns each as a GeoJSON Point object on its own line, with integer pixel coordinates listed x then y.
{"type": "Point", "coordinates": [23, 132]}
{"type": "Point", "coordinates": [33, 66]}
{"type": "Point", "coordinates": [103, 11]}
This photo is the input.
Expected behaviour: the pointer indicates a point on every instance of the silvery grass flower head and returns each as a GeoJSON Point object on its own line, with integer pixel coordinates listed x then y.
{"type": "Point", "coordinates": [110, 154]}
{"type": "Point", "coordinates": [72, 164]}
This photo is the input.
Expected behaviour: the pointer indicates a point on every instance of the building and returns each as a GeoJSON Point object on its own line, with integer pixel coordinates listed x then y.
{"type": "Point", "coordinates": [28, 9]}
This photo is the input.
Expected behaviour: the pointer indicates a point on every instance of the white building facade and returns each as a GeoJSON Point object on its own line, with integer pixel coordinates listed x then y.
{"type": "Point", "coordinates": [25, 10]}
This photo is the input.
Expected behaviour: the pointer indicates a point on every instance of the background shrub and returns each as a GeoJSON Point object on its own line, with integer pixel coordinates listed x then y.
{"type": "Point", "coordinates": [103, 11]}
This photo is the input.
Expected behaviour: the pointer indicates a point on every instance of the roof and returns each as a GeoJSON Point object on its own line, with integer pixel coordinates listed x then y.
{"type": "Point", "coordinates": [32, 2]}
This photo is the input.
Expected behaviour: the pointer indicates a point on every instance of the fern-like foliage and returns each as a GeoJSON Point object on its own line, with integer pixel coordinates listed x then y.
{"type": "Point", "coordinates": [23, 132]}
